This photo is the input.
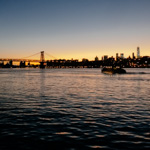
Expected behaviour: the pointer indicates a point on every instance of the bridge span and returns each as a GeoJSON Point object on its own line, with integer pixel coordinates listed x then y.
{"type": "Point", "coordinates": [23, 61]}
{"type": "Point", "coordinates": [19, 60]}
{"type": "Point", "coordinates": [26, 59]}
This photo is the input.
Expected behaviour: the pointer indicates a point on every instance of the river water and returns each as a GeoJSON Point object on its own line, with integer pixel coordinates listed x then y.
{"type": "Point", "coordinates": [74, 109]}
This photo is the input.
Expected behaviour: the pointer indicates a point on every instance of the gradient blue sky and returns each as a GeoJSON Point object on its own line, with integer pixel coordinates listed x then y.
{"type": "Point", "coordinates": [74, 28]}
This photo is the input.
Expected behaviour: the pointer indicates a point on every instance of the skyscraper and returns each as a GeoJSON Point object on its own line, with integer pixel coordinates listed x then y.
{"type": "Point", "coordinates": [138, 52]}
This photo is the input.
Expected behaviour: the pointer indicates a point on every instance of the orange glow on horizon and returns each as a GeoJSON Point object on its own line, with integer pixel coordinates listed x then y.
{"type": "Point", "coordinates": [79, 54]}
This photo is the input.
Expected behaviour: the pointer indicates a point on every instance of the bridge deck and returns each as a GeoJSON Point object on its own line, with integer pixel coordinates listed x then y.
{"type": "Point", "coordinates": [18, 60]}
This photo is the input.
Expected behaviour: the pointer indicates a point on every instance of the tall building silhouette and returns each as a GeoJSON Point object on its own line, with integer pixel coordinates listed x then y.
{"type": "Point", "coordinates": [117, 56]}
{"type": "Point", "coordinates": [138, 52]}
{"type": "Point", "coordinates": [133, 56]}
{"type": "Point", "coordinates": [122, 55]}
{"type": "Point", "coordinates": [105, 57]}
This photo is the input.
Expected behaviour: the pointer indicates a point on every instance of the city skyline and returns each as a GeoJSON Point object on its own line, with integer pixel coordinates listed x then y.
{"type": "Point", "coordinates": [47, 56]}
{"type": "Point", "coordinates": [119, 60]}
{"type": "Point", "coordinates": [74, 29]}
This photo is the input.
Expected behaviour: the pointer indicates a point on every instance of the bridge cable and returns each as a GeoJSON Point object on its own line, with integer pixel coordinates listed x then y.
{"type": "Point", "coordinates": [50, 55]}
{"type": "Point", "coordinates": [30, 55]}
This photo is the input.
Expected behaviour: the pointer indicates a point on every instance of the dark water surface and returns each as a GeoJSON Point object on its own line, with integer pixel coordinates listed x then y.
{"type": "Point", "coordinates": [74, 109]}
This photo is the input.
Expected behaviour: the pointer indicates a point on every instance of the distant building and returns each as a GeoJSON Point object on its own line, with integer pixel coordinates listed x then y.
{"type": "Point", "coordinates": [96, 58]}
{"type": "Point", "coordinates": [105, 57]}
{"type": "Point", "coordinates": [138, 52]}
{"type": "Point", "coordinates": [84, 60]}
{"type": "Point", "coordinates": [133, 57]}
{"type": "Point", "coordinates": [117, 56]}
{"type": "Point", "coordinates": [122, 55]}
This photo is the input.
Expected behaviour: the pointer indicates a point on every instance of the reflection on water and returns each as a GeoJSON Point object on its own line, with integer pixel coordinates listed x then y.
{"type": "Point", "coordinates": [74, 109]}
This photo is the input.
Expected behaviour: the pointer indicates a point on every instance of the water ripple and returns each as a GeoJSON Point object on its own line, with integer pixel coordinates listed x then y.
{"type": "Point", "coordinates": [74, 109]}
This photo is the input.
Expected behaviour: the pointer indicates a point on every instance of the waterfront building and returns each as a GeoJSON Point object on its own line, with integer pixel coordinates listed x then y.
{"type": "Point", "coordinates": [122, 55]}
{"type": "Point", "coordinates": [117, 56]}
{"type": "Point", "coordinates": [105, 57]}
{"type": "Point", "coordinates": [138, 52]}
{"type": "Point", "coordinates": [133, 57]}
{"type": "Point", "coordinates": [96, 58]}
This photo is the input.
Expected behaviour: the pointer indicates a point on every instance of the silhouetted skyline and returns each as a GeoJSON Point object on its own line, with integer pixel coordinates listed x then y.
{"type": "Point", "coordinates": [119, 60]}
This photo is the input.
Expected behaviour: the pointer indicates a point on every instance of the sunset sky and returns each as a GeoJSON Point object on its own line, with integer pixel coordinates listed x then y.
{"type": "Point", "coordinates": [74, 28]}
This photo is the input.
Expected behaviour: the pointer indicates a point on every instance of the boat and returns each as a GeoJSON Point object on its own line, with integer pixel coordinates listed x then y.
{"type": "Point", "coordinates": [113, 70]}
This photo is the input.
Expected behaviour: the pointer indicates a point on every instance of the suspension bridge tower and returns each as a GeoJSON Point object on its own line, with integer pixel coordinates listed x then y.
{"type": "Point", "coordinates": [42, 60]}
